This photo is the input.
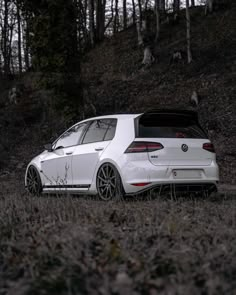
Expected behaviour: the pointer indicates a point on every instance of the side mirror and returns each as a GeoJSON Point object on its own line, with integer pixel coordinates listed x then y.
{"type": "Point", "coordinates": [48, 147]}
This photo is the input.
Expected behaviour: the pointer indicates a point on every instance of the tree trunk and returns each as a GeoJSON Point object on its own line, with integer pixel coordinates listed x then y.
{"type": "Point", "coordinates": [148, 58]}
{"type": "Point", "coordinates": [112, 16]}
{"type": "Point", "coordinates": [157, 21]}
{"type": "Point", "coordinates": [1, 65]}
{"type": "Point", "coordinates": [188, 33]}
{"type": "Point", "coordinates": [124, 14]}
{"type": "Point", "coordinates": [10, 44]}
{"type": "Point", "coordinates": [103, 18]}
{"type": "Point", "coordinates": [5, 36]}
{"type": "Point", "coordinates": [140, 38]}
{"type": "Point", "coordinates": [100, 19]}
{"type": "Point", "coordinates": [115, 24]}
{"type": "Point", "coordinates": [134, 12]}
{"type": "Point", "coordinates": [140, 11]}
{"type": "Point", "coordinates": [192, 2]}
{"type": "Point", "coordinates": [146, 5]}
{"type": "Point", "coordinates": [162, 6]}
{"type": "Point", "coordinates": [26, 41]}
{"type": "Point", "coordinates": [176, 6]}
{"type": "Point", "coordinates": [91, 22]}
{"type": "Point", "coordinates": [143, 40]}
{"type": "Point", "coordinates": [209, 6]}
{"type": "Point", "coordinates": [19, 37]}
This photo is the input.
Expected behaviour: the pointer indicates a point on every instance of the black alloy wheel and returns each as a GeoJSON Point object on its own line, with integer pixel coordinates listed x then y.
{"type": "Point", "coordinates": [33, 181]}
{"type": "Point", "coordinates": [109, 184]}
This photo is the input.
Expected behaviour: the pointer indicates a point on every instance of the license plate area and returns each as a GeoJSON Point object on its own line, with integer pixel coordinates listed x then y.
{"type": "Point", "coordinates": [187, 174]}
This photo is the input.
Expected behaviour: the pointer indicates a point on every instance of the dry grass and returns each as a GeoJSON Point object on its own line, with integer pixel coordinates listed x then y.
{"type": "Point", "coordinates": [70, 245]}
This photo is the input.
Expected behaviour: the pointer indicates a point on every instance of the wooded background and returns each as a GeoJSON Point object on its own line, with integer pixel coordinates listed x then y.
{"type": "Point", "coordinates": [51, 35]}
{"type": "Point", "coordinates": [62, 61]}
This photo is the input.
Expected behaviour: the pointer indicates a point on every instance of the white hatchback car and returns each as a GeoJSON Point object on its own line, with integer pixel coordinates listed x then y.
{"type": "Point", "coordinates": [126, 154]}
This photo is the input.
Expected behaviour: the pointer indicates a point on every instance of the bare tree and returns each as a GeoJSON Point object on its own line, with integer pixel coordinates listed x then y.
{"type": "Point", "coordinates": [91, 22]}
{"type": "Point", "coordinates": [100, 19]}
{"type": "Point", "coordinates": [176, 6]}
{"type": "Point", "coordinates": [140, 11]}
{"type": "Point", "coordinates": [162, 5]}
{"type": "Point", "coordinates": [209, 6]}
{"type": "Point", "coordinates": [26, 41]}
{"type": "Point", "coordinates": [5, 37]}
{"type": "Point", "coordinates": [144, 40]}
{"type": "Point", "coordinates": [125, 14]}
{"type": "Point", "coordinates": [133, 12]}
{"type": "Point", "coordinates": [8, 22]}
{"type": "Point", "coordinates": [116, 20]}
{"type": "Point", "coordinates": [188, 33]}
{"type": "Point", "coordinates": [111, 16]}
{"type": "Point", "coordinates": [157, 13]}
{"type": "Point", "coordinates": [81, 21]}
{"type": "Point", "coordinates": [19, 35]}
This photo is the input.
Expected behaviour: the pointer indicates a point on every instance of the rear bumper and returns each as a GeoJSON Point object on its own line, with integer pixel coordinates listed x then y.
{"type": "Point", "coordinates": [160, 176]}
{"type": "Point", "coordinates": [177, 188]}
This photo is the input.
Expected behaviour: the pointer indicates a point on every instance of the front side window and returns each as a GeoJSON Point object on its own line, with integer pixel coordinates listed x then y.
{"type": "Point", "coordinates": [100, 130]}
{"type": "Point", "coordinates": [70, 137]}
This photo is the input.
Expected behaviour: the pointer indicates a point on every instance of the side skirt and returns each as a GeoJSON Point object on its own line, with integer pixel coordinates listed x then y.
{"type": "Point", "coordinates": [66, 186]}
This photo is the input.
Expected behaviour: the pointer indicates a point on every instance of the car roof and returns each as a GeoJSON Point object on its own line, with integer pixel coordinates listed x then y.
{"type": "Point", "coordinates": [117, 116]}
{"type": "Point", "coordinates": [147, 113]}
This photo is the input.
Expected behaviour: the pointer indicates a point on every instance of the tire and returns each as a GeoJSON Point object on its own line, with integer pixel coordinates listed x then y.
{"type": "Point", "coordinates": [33, 181]}
{"type": "Point", "coordinates": [108, 183]}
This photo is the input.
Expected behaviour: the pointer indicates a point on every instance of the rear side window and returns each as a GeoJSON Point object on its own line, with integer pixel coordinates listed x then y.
{"type": "Point", "coordinates": [100, 130]}
{"type": "Point", "coordinates": [111, 130]}
{"type": "Point", "coordinates": [169, 126]}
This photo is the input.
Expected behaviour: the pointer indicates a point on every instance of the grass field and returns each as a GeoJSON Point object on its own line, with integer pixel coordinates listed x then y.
{"type": "Point", "coordinates": [71, 245]}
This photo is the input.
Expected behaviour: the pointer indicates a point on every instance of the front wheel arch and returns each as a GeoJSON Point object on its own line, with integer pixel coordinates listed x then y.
{"type": "Point", "coordinates": [33, 181]}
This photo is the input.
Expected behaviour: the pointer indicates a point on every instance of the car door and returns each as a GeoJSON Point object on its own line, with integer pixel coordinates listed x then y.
{"type": "Point", "coordinates": [86, 155]}
{"type": "Point", "coordinates": [57, 164]}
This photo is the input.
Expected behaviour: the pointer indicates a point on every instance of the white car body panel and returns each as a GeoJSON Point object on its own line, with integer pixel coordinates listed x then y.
{"type": "Point", "coordinates": [56, 167]}
{"type": "Point", "coordinates": [84, 161]}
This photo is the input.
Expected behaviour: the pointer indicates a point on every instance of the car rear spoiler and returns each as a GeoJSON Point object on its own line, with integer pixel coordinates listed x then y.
{"type": "Point", "coordinates": [192, 115]}
{"type": "Point", "coordinates": [172, 114]}
{"type": "Point", "coordinates": [167, 117]}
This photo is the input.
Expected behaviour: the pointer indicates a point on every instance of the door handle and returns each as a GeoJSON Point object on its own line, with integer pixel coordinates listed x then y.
{"type": "Point", "coordinates": [69, 153]}
{"type": "Point", "coordinates": [99, 149]}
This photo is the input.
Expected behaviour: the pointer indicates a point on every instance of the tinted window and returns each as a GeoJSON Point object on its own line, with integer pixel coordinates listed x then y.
{"type": "Point", "coordinates": [170, 127]}
{"type": "Point", "coordinates": [70, 137]}
{"type": "Point", "coordinates": [100, 130]}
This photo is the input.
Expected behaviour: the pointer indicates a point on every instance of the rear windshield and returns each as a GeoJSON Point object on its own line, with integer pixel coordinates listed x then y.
{"type": "Point", "coordinates": [169, 126]}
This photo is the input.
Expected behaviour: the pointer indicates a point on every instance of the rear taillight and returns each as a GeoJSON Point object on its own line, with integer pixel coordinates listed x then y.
{"type": "Point", "coordinates": [143, 146]}
{"type": "Point", "coordinates": [208, 147]}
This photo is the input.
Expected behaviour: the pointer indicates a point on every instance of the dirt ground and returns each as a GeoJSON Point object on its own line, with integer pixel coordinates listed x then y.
{"type": "Point", "coordinates": [78, 245]}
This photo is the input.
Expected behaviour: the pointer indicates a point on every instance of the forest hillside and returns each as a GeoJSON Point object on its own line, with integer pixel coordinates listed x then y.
{"type": "Point", "coordinates": [115, 81]}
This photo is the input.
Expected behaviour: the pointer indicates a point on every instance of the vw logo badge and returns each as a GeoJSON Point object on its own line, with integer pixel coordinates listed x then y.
{"type": "Point", "coordinates": [184, 147]}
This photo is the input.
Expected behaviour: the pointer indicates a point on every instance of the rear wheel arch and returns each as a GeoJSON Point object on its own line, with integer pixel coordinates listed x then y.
{"type": "Point", "coordinates": [110, 192]}
{"type": "Point", "coordinates": [112, 162]}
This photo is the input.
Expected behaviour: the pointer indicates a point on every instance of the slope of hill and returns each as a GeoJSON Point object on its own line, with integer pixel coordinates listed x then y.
{"type": "Point", "coordinates": [115, 81]}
